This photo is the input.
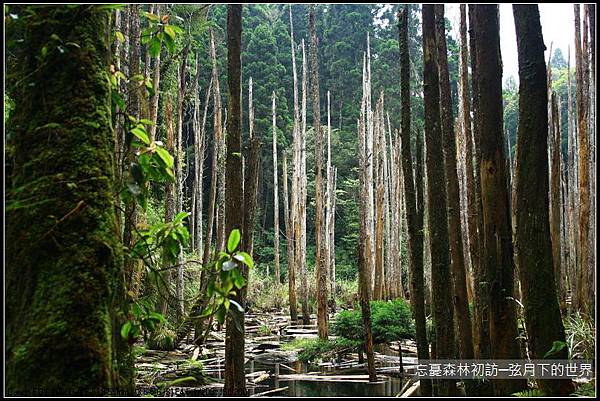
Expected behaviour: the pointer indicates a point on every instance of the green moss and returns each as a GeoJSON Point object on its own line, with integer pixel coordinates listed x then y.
{"type": "Point", "coordinates": [64, 259]}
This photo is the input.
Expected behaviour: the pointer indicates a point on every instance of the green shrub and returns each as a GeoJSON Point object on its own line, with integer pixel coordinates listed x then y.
{"type": "Point", "coordinates": [391, 321]}
{"type": "Point", "coordinates": [581, 336]}
{"type": "Point", "coordinates": [313, 349]}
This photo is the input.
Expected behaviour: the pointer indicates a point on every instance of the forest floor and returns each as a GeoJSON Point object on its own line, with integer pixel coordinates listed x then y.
{"type": "Point", "coordinates": [191, 370]}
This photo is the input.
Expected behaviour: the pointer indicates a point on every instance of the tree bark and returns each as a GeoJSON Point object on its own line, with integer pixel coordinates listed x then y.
{"type": "Point", "coordinates": [235, 379]}
{"type": "Point", "coordinates": [414, 221]}
{"type": "Point", "coordinates": [497, 264]}
{"type": "Point", "coordinates": [275, 198]}
{"type": "Point", "coordinates": [320, 234]}
{"type": "Point", "coordinates": [437, 212]}
{"type": "Point", "coordinates": [534, 246]}
{"type": "Point", "coordinates": [64, 268]}
{"type": "Point", "coordinates": [582, 296]}
{"type": "Point", "coordinates": [482, 343]}
{"type": "Point", "coordinates": [461, 305]}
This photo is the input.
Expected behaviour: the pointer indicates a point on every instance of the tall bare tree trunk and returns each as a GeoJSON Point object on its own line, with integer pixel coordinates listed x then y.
{"type": "Point", "coordinates": [294, 217]}
{"type": "Point", "coordinates": [320, 233]}
{"type": "Point", "coordinates": [134, 109]}
{"type": "Point", "coordinates": [301, 249]}
{"type": "Point", "coordinates": [289, 233]}
{"type": "Point", "coordinates": [413, 217]}
{"type": "Point", "coordinates": [534, 246]}
{"type": "Point", "coordinates": [235, 379]}
{"type": "Point", "coordinates": [441, 276]}
{"type": "Point", "coordinates": [179, 166]}
{"type": "Point", "coordinates": [497, 264]}
{"type": "Point", "coordinates": [275, 197]}
{"type": "Point", "coordinates": [555, 194]}
{"type": "Point", "coordinates": [582, 296]}
{"type": "Point", "coordinates": [364, 246]}
{"type": "Point", "coordinates": [330, 213]}
{"type": "Point", "coordinates": [454, 226]}
{"type": "Point", "coordinates": [379, 199]}
{"type": "Point", "coordinates": [482, 329]}
{"type": "Point", "coordinates": [156, 94]}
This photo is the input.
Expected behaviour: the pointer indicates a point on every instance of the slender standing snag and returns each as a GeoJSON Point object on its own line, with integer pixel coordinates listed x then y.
{"type": "Point", "coordinates": [534, 247]}
{"type": "Point", "coordinates": [364, 287]}
{"type": "Point", "coordinates": [275, 197]}
{"type": "Point", "coordinates": [379, 199]}
{"type": "Point", "coordinates": [582, 296]}
{"type": "Point", "coordinates": [441, 278]}
{"type": "Point", "coordinates": [58, 336]}
{"type": "Point", "coordinates": [289, 233]}
{"type": "Point", "coordinates": [294, 211]}
{"type": "Point", "coordinates": [235, 380]}
{"type": "Point", "coordinates": [461, 303]}
{"type": "Point", "coordinates": [155, 96]}
{"type": "Point", "coordinates": [555, 204]}
{"type": "Point", "coordinates": [415, 236]}
{"type": "Point", "coordinates": [497, 263]}
{"type": "Point", "coordinates": [320, 233]}
{"type": "Point", "coordinates": [179, 172]}
{"type": "Point", "coordinates": [302, 181]}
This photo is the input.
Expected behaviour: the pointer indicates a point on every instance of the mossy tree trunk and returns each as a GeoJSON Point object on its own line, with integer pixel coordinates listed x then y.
{"type": "Point", "coordinates": [542, 313]}
{"type": "Point", "coordinates": [64, 266]}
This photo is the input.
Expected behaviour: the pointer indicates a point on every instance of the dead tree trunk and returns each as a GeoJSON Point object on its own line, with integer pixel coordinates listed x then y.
{"type": "Point", "coordinates": [320, 234]}
{"type": "Point", "coordinates": [294, 217]}
{"type": "Point", "coordinates": [275, 198]}
{"type": "Point", "coordinates": [364, 248]}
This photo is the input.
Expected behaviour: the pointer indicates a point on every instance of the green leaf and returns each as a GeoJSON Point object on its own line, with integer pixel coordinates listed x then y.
{"type": "Point", "coordinates": [170, 43]}
{"type": "Point", "coordinates": [120, 36]}
{"type": "Point", "coordinates": [170, 31]}
{"type": "Point", "coordinates": [220, 315]}
{"type": "Point", "coordinates": [140, 132]}
{"type": "Point", "coordinates": [111, 6]}
{"type": "Point", "coordinates": [556, 347]}
{"type": "Point", "coordinates": [125, 329]}
{"type": "Point", "coordinates": [238, 280]}
{"type": "Point", "coordinates": [146, 121]}
{"type": "Point", "coordinates": [151, 17]}
{"type": "Point", "coordinates": [157, 316]}
{"type": "Point", "coordinates": [245, 258]}
{"type": "Point", "coordinates": [165, 156]}
{"type": "Point", "coordinates": [234, 240]}
{"type": "Point", "coordinates": [138, 77]}
{"type": "Point", "coordinates": [154, 47]}
{"type": "Point", "coordinates": [118, 100]}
